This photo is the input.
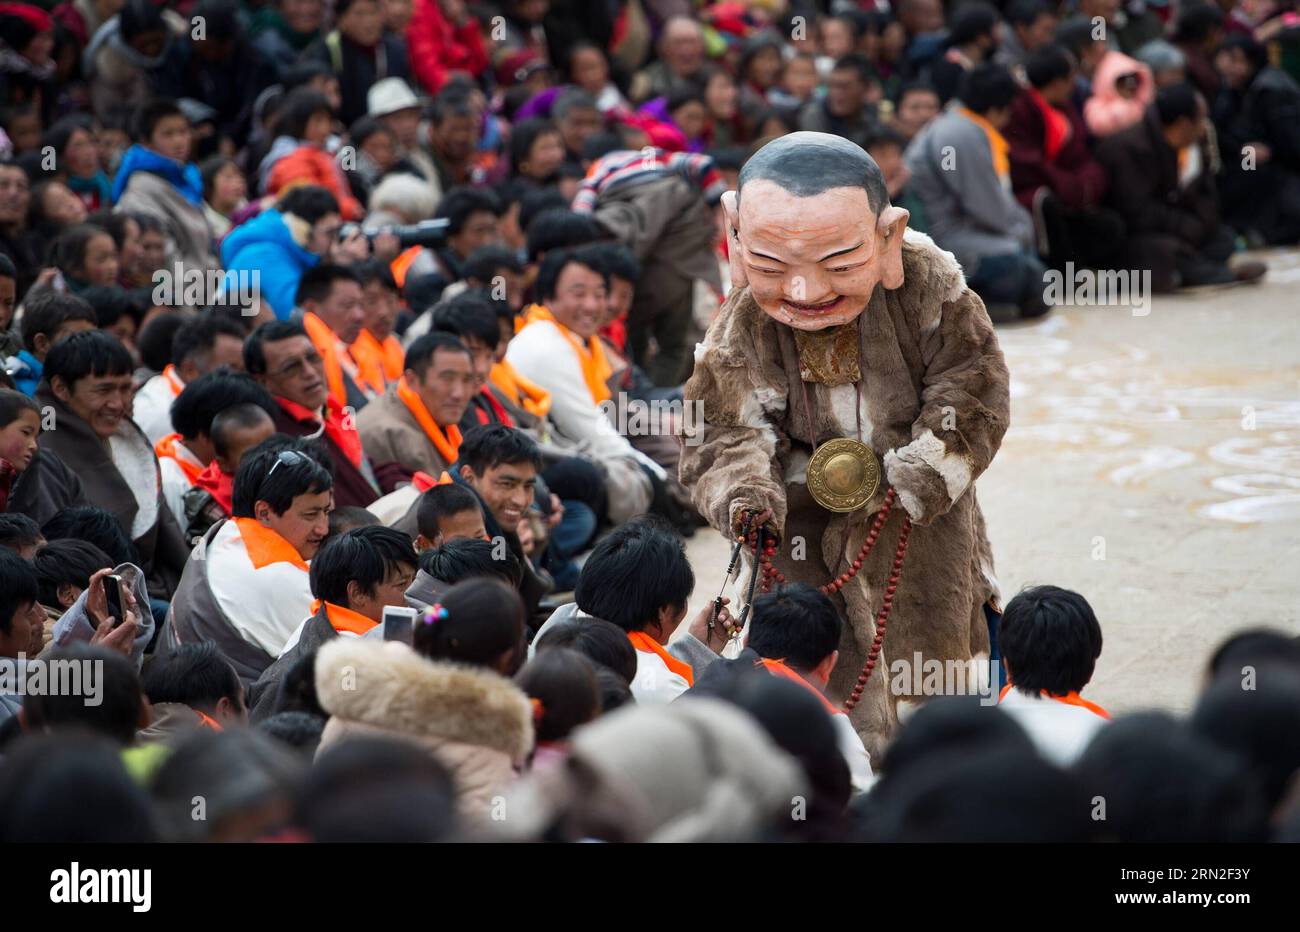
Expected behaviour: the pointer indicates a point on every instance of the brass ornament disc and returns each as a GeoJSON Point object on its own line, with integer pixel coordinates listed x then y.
{"type": "Point", "coordinates": [843, 474]}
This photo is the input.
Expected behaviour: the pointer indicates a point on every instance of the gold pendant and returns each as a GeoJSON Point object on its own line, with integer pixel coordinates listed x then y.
{"type": "Point", "coordinates": [843, 474]}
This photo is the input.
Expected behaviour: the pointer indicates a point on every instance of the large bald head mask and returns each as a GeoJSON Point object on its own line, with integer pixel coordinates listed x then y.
{"type": "Point", "coordinates": [811, 230]}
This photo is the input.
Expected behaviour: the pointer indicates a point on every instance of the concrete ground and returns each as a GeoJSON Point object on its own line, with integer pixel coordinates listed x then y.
{"type": "Point", "coordinates": [1152, 464]}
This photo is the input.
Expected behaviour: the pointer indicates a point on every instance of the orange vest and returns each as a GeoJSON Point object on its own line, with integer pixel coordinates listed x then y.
{"type": "Point", "coordinates": [591, 355]}
{"type": "Point", "coordinates": [644, 642]}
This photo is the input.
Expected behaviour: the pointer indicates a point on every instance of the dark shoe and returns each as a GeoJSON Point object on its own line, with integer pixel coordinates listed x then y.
{"type": "Point", "coordinates": [1249, 271]}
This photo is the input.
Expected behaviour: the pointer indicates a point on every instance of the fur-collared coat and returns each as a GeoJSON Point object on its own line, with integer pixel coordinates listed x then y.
{"type": "Point", "coordinates": [934, 406]}
{"type": "Point", "coordinates": [478, 724]}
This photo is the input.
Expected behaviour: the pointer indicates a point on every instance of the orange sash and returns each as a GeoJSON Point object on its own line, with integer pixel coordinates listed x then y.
{"type": "Point", "coordinates": [997, 143]}
{"type": "Point", "coordinates": [779, 668]}
{"type": "Point", "coordinates": [644, 642]}
{"type": "Point", "coordinates": [377, 363]}
{"type": "Point", "coordinates": [173, 381]}
{"type": "Point", "coordinates": [525, 394]}
{"type": "Point", "coordinates": [344, 619]}
{"type": "Point", "coordinates": [401, 265]}
{"type": "Point", "coordinates": [595, 367]}
{"type": "Point", "coordinates": [1070, 698]}
{"type": "Point", "coordinates": [166, 449]}
{"type": "Point", "coordinates": [265, 547]}
{"type": "Point", "coordinates": [336, 422]}
{"type": "Point", "coordinates": [207, 721]}
{"type": "Point", "coordinates": [327, 344]}
{"type": "Point", "coordinates": [447, 444]}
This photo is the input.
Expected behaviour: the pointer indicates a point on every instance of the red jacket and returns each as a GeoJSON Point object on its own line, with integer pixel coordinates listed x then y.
{"type": "Point", "coordinates": [309, 165]}
{"type": "Point", "coordinates": [1073, 175]}
{"type": "Point", "coordinates": [436, 47]}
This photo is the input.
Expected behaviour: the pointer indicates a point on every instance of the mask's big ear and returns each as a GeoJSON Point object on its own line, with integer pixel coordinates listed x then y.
{"type": "Point", "coordinates": [731, 212]}
{"type": "Point", "coordinates": [889, 245]}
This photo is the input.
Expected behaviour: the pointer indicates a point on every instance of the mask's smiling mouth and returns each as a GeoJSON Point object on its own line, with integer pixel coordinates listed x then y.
{"type": "Point", "coordinates": [821, 308]}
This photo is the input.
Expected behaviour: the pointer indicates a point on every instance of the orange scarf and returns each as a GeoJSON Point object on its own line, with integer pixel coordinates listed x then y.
{"type": "Point", "coordinates": [448, 445]}
{"type": "Point", "coordinates": [377, 363]}
{"type": "Point", "coordinates": [644, 642]}
{"type": "Point", "coordinates": [336, 424]}
{"type": "Point", "coordinates": [328, 345]}
{"type": "Point", "coordinates": [173, 380]}
{"type": "Point", "coordinates": [423, 482]}
{"type": "Point", "coordinates": [220, 485]}
{"type": "Point", "coordinates": [265, 547]}
{"type": "Point", "coordinates": [779, 668]}
{"type": "Point", "coordinates": [401, 265]}
{"type": "Point", "coordinates": [1070, 698]}
{"type": "Point", "coordinates": [591, 355]}
{"type": "Point", "coordinates": [344, 619]}
{"type": "Point", "coordinates": [525, 394]}
{"type": "Point", "coordinates": [207, 721]}
{"type": "Point", "coordinates": [166, 449]}
{"type": "Point", "coordinates": [997, 143]}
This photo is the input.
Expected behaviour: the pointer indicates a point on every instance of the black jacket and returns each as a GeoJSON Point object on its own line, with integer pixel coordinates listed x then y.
{"type": "Point", "coordinates": [45, 488]}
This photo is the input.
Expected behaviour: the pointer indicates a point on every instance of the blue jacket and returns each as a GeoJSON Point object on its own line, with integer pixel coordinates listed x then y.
{"type": "Point", "coordinates": [265, 245]}
{"type": "Point", "coordinates": [27, 378]}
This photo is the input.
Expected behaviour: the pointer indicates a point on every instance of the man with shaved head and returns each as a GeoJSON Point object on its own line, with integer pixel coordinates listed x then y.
{"type": "Point", "coordinates": [852, 372]}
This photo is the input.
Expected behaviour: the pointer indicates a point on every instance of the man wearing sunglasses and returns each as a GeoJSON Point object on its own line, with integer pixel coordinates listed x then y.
{"type": "Point", "coordinates": [246, 585]}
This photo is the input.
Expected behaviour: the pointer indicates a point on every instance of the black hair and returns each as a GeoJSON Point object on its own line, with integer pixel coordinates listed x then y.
{"type": "Point", "coordinates": [367, 556]}
{"type": "Point", "coordinates": [301, 72]}
{"type": "Point", "coordinates": [198, 335]}
{"type": "Point", "coordinates": [1025, 12]}
{"type": "Point", "coordinates": [557, 228]}
{"type": "Point", "coordinates": [155, 339]}
{"type": "Point", "coordinates": [436, 503]}
{"type": "Point", "coordinates": [197, 675]}
{"type": "Point", "coordinates": [50, 783]}
{"type": "Point", "coordinates": [860, 65]}
{"type": "Point", "coordinates": [807, 164]}
{"type": "Point", "coordinates": [297, 109]}
{"type": "Point", "coordinates": [112, 302]}
{"type": "Point", "coordinates": [1050, 639]}
{"type": "Point", "coordinates": [615, 691]}
{"type": "Point", "coordinates": [13, 403]}
{"type": "Point", "coordinates": [598, 145]}
{"type": "Point", "coordinates": [1253, 647]}
{"type": "Point", "coordinates": [634, 571]}
{"type": "Point", "coordinates": [600, 641]}
{"type": "Point", "coordinates": [115, 716]}
{"type": "Point", "coordinates": [986, 87]}
{"type": "Point", "coordinates": [1075, 33]}
{"type": "Point", "coordinates": [90, 353]}
{"type": "Point", "coordinates": [1047, 64]}
{"type": "Point", "coordinates": [236, 417]}
{"type": "Point", "coordinates": [469, 314]}
{"type": "Point", "coordinates": [797, 624]}
{"type": "Point", "coordinates": [59, 133]}
{"type": "Point", "coordinates": [1255, 52]}
{"type": "Point", "coordinates": [318, 282]}
{"type": "Point", "coordinates": [366, 126]}
{"type": "Point", "coordinates": [275, 331]}
{"type": "Point", "coordinates": [970, 21]}
{"type": "Point", "coordinates": [207, 396]}
{"type": "Point", "coordinates": [375, 270]}
{"type": "Point", "coordinates": [483, 263]}
{"type": "Point", "coordinates": [465, 558]}
{"type": "Point", "coordinates": [486, 446]}
{"type": "Point", "coordinates": [1196, 22]}
{"type": "Point", "coordinates": [682, 93]}
{"type": "Point", "coordinates": [153, 113]}
{"type": "Point", "coordinates": [451, 101]}
{"type": "Point", "coordinates": [484, 619]}
{"type": "Point", "coordinates": [884, 137]}
{"type": "Point", "coordinates": [563, 683]}
{"type": "Point", "coordinates": [7, 267]}
{"type": "Point", "coordinates": [422, 291]}
{"type": "Point", "coordinates": [66, 562]}
{"type": "Point", "coordinates": [308, 201]}
{"type": "Point", "coordinates": [419, 355]}
{"type": "Point", "coordinates": [68, 250]}
{"type": "Point", "coordinates": [376, 789]}
{"type": "Point", "coordinates": [1175, 102]}
{"type": "Point", "coordinates": [1164, 783]}
{"type": "Point", "coordinates": [350, 518]}
{"type": "Point", "coordinates": [209, 168]}
{"type": "Point", "coordinates": [525, 133]}
{"type": "Point", "coordinates": [1261, 724]}
{"type": "Point", "coordinates": [613, 260]}
{"type": "Point", "coordinates": [45, 313]}
{"type": "Point", "coordinates": [18, 587]}
{"type": "Point", "coordinates": [915, 87]}
{"type": "Point", "coordinates": [554, 264]}
{"type": "Point", "coordinates": [263, 477]}
{"type": "Point", "coordinates": [536, 200]}
{"type": "Point", "coordinates": [458, 204]}
{"type": "Point", "coordinates": [18, 530]}
{"type": "Point", "coordinates": [297, 689]}
{"type": "Point", "coordinates": [86, 522]}
{"type": "Point", "coordinates": [299, 730]}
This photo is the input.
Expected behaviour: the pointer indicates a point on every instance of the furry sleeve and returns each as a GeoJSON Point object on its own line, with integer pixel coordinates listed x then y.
{"type": "Point", "coordinates": [965, 410]}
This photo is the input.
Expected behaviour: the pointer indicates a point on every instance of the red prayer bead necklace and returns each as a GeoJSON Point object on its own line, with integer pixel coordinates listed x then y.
{"type": "Point", "coordinates": [771, 574]}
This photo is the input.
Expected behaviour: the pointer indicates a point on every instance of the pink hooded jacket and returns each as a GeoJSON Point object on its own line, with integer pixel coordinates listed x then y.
{"type": "Point", "coordinates": [1106, 112]}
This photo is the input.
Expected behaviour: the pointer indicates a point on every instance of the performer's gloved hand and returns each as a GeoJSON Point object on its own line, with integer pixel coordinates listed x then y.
{"type": "Point", "coordinates": [758, 518]}
{"type": "Point", "coordinates": [922, 491]}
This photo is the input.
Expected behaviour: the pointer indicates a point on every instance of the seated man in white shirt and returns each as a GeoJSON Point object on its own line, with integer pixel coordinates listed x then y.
{"type": "Point", "coordinates": [203, 344]}
{"type": "Point", "coordinates": [558, 349]}
{"type": "Point", "coordinates": [1050, 641]}
{"type": "Point", "coordinates": [246, 583]}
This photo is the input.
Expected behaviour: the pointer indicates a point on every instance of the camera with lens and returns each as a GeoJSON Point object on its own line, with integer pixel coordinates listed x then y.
{"type": "Point", "coordinates": [428, 233]}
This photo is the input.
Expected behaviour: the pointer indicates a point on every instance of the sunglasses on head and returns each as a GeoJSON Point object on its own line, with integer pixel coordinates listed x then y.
{"type": "Point", "coordinates": [287, 458]}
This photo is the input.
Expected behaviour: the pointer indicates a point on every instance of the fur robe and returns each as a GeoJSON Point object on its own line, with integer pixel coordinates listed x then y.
{"type": "Point", "coordinates": [934, 406]}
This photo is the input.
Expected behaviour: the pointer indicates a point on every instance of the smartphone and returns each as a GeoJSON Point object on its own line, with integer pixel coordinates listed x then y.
{"type": "Point", "coordinates": [399, 623]}
{"type": "Point", "coordinates": [113, 594]}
